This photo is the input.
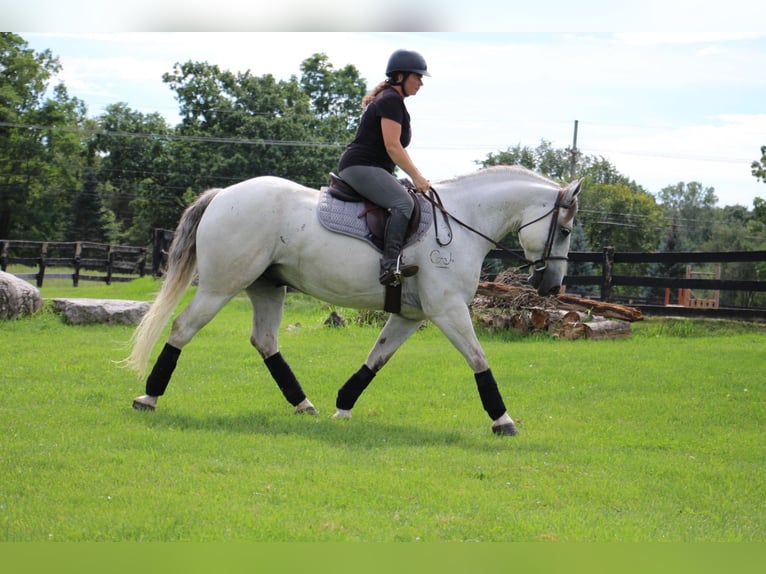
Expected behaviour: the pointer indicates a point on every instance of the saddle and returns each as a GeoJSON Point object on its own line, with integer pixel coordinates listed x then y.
{"type": "Point", "coordinates": [374, 215]}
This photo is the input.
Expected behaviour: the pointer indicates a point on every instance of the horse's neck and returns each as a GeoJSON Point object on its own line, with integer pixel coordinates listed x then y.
{"type": "Point", "coordinates": [492, 206]}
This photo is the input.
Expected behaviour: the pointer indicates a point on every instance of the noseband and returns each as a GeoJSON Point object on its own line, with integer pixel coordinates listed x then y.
{"type": "Point", "coordinates": [539, 265]}
{"type": "Point", "coordinates": [542, 263]}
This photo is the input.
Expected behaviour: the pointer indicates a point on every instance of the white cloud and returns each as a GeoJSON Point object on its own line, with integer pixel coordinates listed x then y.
{"type": "Point", "coordinates": [666, 38]}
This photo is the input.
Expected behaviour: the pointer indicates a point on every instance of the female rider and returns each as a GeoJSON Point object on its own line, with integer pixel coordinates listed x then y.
{"type": "Point", "coordinates": [369, 161]}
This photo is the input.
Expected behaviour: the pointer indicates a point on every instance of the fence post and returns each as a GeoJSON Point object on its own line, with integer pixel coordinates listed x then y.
{"type": "Point", "coordinates": [41, 264]}
{"type": "Point", "coordinates": [142, 263]}
{"type": "Point", "coordinates": [606, 273]}
{"type": "Point", "coordinates": [76, 264]}
{"type": "Point", "coordinates": [162, 240]}
{"type": "Point", "coordinates": [109, 261]}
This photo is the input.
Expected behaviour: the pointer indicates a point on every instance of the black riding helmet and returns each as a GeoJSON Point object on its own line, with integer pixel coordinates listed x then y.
{"type": "Point", "coordinates": [407, 62]}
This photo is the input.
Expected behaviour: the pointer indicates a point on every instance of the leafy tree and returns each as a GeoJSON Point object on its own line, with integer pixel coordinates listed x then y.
{"type": "Point", "coordinates": [39, 168]}
{"type": "Point", "coordinates": [759, 167]}
{"type": "Point", "coordinates": [334, 94]}
{"type": "Point", "coordinates": [250, 125]}
{"type": "Point", "coordinates": [693, 207]}
{"type": "Point", "coordinates": [620, 216]}
{"type": "Point", "coordinates": [544, 159]}
{"type": "Point", "coordinates": [88, 218]}
{"type": "Point", "coordinates": [133, 158]}
{"type": "Point", "coordinates": [759, 209]}
{"type": "Point", "coordinates": [335, 100]}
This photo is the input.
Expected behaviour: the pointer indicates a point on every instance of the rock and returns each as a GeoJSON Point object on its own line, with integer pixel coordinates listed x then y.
{"type": "Point", "coordinates": [335, 320]}
{"type": "Point", "coordinates": [17, 297]}
{"type": "Point", "coordinates": [113, 311]}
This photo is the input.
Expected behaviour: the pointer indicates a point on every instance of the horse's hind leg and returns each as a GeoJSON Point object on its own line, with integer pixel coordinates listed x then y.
{"type": "Point", "coordinates": [396, 331]}
{"type": "Point", "coordinates": [268, 302]}
{"type": "Point", "coordinates": [203, 307]}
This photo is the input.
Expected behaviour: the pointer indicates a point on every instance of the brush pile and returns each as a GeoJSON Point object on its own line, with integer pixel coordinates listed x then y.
{"type": "Point", "coordinates": [507, 303]}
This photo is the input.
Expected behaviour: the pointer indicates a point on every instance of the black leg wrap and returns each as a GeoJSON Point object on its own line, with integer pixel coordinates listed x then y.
{"type": "Point", "coordinates": [350, 392]}
{"type": "Point", "coordinates": [158, 379]}
{"type": "Point", "coordinates": [490, 395]}
{"type": "Point", "coordinates": [285, 379]}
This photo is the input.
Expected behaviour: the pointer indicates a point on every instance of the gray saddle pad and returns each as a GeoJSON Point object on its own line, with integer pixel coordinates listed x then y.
{"type": "Point", "coordinates": [347, 218]}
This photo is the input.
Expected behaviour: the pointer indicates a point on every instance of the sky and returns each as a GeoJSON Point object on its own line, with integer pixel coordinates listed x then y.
{"type": "Point", "coordinates": [663, 106]}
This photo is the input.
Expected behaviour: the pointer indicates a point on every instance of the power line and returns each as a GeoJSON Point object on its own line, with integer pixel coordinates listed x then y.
{"type": "Point", "coordinates": [173, 137]}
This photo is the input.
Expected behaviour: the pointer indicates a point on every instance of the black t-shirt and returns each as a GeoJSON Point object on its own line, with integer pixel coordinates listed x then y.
{"type": "Point", "coordinates": [368, 147]}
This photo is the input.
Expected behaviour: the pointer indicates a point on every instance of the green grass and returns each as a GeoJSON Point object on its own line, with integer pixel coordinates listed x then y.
{"type": "Point", "coordinates": [655, 438]}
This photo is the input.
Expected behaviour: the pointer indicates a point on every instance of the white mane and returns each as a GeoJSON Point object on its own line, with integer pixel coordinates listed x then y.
{"type": "Point", "coordinates": [503, 171]}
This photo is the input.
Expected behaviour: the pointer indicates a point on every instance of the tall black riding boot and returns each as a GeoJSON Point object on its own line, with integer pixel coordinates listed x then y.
{"type": "Point", "coordinates": [391, 268]}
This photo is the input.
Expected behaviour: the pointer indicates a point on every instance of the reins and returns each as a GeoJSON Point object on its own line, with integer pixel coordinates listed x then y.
{"type": "Point", "coordinates": [436, 203]}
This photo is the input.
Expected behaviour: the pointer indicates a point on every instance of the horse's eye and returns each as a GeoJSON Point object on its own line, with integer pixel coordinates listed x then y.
{"type": "Point", "coordinates": [565, 231]}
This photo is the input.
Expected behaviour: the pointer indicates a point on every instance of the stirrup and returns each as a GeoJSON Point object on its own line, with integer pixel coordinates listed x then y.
{"type": "Point", "coordinates": [393, 277]}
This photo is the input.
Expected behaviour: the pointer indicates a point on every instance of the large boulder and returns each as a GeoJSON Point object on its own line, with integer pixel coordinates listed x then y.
{"type": "Point", "coordinates": [17, 297]}
{"type": "Point", "coordinates": [114, 311]}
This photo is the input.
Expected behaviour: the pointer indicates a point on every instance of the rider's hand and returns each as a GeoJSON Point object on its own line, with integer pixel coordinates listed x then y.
{"type": "Point", "coordinates": [422, 184]}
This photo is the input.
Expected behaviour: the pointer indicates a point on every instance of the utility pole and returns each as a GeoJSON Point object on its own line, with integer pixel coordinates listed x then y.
{"type": "Point", "coordinates": [574, 153]}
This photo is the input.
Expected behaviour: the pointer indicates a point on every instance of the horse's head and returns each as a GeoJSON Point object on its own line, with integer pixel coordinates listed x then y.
{"type": "Point", "coordinates": [545, 240]}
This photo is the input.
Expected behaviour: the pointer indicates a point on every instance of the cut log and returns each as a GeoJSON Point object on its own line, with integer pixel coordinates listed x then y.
{"type": "Point", "coordinates": [608, 310]}
{"type": "Point", "coordinates": [539, 318]}
{"type": "Point", "coordinates": [607, 330]}
{"type": "Point", "coordinates": [519, 321]}
{"type": "Point", "coordinates": [570, 331]}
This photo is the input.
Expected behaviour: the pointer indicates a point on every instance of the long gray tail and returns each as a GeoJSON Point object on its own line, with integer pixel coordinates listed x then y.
{"type": "Point", "coordinates": [182, 266]}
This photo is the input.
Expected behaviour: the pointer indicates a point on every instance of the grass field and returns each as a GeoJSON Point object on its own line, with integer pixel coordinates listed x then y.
{"type": "Point", "coordinates": [655, 438]}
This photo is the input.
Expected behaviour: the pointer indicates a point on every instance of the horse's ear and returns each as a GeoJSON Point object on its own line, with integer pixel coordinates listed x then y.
{"type": "Point", "coordinates": [575, 187]}
{"type": "Point", "coordinates": [570, 198]}
{"type": "Point", "coordinates": [571, 191]}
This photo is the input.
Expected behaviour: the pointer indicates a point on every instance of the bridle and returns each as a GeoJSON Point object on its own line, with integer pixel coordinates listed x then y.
{"type": "Point", "coordinates": [538, 265]}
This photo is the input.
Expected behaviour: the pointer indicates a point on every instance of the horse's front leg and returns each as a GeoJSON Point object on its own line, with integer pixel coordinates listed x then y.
{"type": "Point", "coordinates": [455, 322]}
{"type": "Point", "coordinates": [268, 304]}
{"type": "Point", "coordinates": [395, 332]}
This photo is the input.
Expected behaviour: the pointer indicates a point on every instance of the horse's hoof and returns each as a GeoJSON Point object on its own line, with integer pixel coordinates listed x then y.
{"type": "Point", "coordinates": [141, 406]}
{"type": "Point", "coordinates": [342, 414]}
{"type": "Point", "coordinates": [507, 429]}
{"type": "Point", "coordinates": [307, 410]}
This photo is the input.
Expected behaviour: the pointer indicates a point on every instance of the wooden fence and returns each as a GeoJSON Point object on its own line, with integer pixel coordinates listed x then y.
{"type": "Point", "coordinates": [129, 262]}
{"type": "Point", "coordinates": [606, 279]}
{"type": "Point", "coordinates": [112, 262]}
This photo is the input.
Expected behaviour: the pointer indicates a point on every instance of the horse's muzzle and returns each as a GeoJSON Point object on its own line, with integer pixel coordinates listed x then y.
{"type": "Point", "coordinates": [538, 281]}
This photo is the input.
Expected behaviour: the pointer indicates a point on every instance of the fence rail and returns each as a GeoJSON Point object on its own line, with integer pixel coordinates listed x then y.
{"type": "Point", "coordinates": [106, 259]}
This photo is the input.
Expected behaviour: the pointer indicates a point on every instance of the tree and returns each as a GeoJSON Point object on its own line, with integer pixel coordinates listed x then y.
{"type": "Point", "coordinates": [620, 216]}
{"type": "Point", "coordinates": [257, 125]}
{"type": "Point", "coordinates": [693, 207]}
{"type": "Point", "coordinates": [759, 167]}
{"type": "Point", "coordinates": [334, 94]}
{"type": "Point", "coordinates": [544, 159]}
{"type": "Point", "coordinates": [335, 99]}
{"type": "Point", "coordinates": [39, 167]}
{"type": "Point", "coordinates": [88, 218]}
{"type": "Point", "coordinates": [133, 162]}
